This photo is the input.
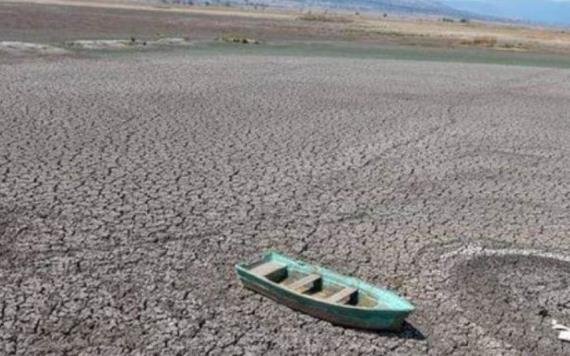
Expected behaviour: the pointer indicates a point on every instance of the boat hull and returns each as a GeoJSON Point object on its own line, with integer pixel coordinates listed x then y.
{"type": "Point", "coordinates": [370, 319]}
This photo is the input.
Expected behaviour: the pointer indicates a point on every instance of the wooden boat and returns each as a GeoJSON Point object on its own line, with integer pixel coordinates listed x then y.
{"type": "Point", "coordinates": [325, 294]}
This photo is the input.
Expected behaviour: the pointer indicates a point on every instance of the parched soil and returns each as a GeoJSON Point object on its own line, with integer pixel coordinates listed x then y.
{"type": "Point", "coordinates": [131, 185]}
{"type": "Point", "coordinates": [516, 297]}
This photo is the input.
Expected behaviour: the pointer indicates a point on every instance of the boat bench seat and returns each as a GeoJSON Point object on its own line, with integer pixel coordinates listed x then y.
{"type": "Point", "coordinates": [305, 284]}
{"type": "Point", "coordinates": [343, 296]}
{"type": "Point", "coordinates": [268, 269]}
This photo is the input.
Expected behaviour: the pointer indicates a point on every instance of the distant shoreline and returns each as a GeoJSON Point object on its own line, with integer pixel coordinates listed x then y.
{"type": "Point", "coordinates": [89, 20]}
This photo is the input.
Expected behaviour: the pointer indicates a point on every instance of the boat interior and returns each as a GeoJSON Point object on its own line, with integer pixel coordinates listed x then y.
{"type": "Point", "coordinates": [313, 285]}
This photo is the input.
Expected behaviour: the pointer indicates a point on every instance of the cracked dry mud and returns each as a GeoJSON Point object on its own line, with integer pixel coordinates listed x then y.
{"type": "Point", "coordinates": [130, 186]}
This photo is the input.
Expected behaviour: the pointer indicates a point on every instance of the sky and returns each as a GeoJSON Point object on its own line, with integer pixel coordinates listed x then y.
{"type": "Point", "coordinates": [556, 12]}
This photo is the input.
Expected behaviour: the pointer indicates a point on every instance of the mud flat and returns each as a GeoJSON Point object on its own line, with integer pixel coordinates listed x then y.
{"type": "Point", "coordinates": [512, 294]}
{"type": "Point", "coordinates": [131, 184]}
{"type": "Point", "coordinates": [521, 294]}
{"type": "Point", "coordinates": [132, 181]}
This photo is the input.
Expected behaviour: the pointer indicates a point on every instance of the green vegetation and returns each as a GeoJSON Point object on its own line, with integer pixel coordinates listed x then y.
{"type": "Point", "coordinates": [324, 18]}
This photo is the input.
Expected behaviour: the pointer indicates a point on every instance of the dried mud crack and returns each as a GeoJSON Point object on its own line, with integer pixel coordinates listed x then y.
{"type": "Point", "coordinates": [515, 297]}
{"type": "Point", "coordinates": [130, 185]}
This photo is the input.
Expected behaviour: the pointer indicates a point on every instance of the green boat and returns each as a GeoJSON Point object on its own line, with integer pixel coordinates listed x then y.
{"type": "Point", "coordinates": [325, 294]}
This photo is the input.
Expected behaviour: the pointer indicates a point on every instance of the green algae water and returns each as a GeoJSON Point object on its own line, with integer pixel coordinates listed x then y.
{"type": "Point", "coordinates": [411, 53]}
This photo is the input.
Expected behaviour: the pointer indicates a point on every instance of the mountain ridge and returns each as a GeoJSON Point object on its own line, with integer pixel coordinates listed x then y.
{"type": "Point", "coordinates": [537, 11]}
{"type": "Point", "coordinates": [426, 7]}
{"type": "Point", "coordinates": [549, 12]}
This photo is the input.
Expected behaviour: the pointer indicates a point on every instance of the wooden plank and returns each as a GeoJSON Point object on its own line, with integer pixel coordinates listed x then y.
{"type": "Point", "coordinates": [306, 283]}
{"type": "Point", "coordinates": [268, 268]}
{"type": "Point", "coordinates": [343, 296]}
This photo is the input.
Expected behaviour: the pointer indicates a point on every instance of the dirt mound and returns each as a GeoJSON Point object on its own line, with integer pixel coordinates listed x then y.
{"type": "Point", "coordinates": [25, 48]}
{"type": "Point", "coordinates": [124, 44]}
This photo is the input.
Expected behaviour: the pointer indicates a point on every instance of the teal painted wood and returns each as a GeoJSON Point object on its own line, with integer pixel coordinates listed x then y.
{"type": "Point", "coordinates": [388, 314]}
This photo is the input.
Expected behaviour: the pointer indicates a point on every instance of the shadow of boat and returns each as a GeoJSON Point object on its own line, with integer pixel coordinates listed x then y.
{"type": "Point", "coordinates": [408, 332]}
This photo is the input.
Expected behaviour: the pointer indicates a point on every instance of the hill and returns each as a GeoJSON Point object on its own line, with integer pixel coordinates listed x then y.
{"type": "Point", "coordinates": [537, 11]}
{"type": "Point", "coordinates": [426, 7]}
